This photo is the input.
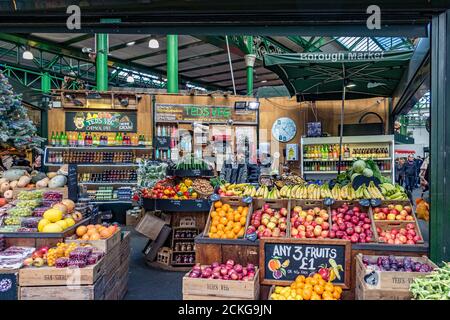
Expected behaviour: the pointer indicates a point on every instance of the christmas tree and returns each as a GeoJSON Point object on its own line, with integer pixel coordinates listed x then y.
{"type": "Point", "coordinates": [16, 129]}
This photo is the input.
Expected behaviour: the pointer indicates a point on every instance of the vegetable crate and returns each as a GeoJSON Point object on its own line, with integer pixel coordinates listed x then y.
{"type": "Point", "coordinates": [217, 289]}
{"type": "Point", "coordinates": [105, 245]}
{"type": "Point", "coordinates": [234, 203]}
{"type": "Point", "coordinates": [363, 292]}
{"type": "Point", "coordinates": [390, 280]}
{"type": "Point", "coordinates": [276, 205]}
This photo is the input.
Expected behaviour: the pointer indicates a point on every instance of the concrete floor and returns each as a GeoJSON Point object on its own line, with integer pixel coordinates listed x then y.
{"type": "Point", "coordinates": [147, 283]}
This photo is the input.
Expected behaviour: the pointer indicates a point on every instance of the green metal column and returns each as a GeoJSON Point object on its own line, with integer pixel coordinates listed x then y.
{"type": "Point", "coordinates": [172, 63]}
{"type": "Point", "coordinates": [440, 139]}
{"type": "Point", "coordinates": [250, 62]}
{"type": "Point", "coordinates": [404, 127]}
{"type": "Point", "coordinates": [102, 61]}
{"type": "Point", "coordinates": [46, 86]}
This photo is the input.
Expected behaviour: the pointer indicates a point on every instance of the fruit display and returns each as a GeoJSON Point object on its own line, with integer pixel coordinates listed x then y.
{"type": "Point", "coordinates": [13, 257]}
{"type": "Point", "coordinates": [433, 286]}
{"type": "Point", "coordinates": [189, 162]}
{"type": "Point", "coordinates": [20, 212]}
{"type": "Point", "coordinates": [393, 212]}
{"type": "Point", "coordinates": [289, 180]}
{"type": "Point", "coordinates": [368, 192]}
{"type": "Point", "coordinates": [351, 223]}
{"type": "Point", "coordinates": [238, 190]}
{"type": "Point", "coordinates": [224, 271]}
{"type": "Point", "coordinates": [165, 189]}
{"type": "Point", "coordinates": [311, 223]}
{"type": "Point", "coordinates": [227, 222]}
{"type": "Point", "coordinates": [202, 186]}
{"type": "Point", "coordinates": [30, 195]}
{"type": "Point", "coordinates": [59, 217]}
{"type": "Point", "coordinates": [308, 288]}
{"type": "Point", "coordinates": [268, 222]}
{"type": "Point", "coordinates": [150, 172]}
{"type": "Point", "coordinates": [392, 263]}
{"type": "Point", "coordinates": [391, 192]}
{"type": "Point", "coordinates": [397, 235]}
{"type": "Point", "coordinates": [96, 232]}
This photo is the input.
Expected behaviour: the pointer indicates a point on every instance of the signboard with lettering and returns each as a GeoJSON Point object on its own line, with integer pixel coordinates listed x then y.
{"type": "Point", "coordinates": [202, 113]}
{"type": "Point", "coordinates": [101, 121]}
{"type": "Point", "coordinates": [282, 260]}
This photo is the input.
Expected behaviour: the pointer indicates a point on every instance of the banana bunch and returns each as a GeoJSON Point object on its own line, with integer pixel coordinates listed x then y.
{"type": "Point", "coordinates": [391, 192]}
{"type": "Point", "coordinates": [262, 192]}
{"type": "Point", "coordinates": [336, 192]}
{"type": "Point", "coordinates": [347, 192]}
{"type": "Point", "coordinates": [299, 192]}
{"type": "Point", "coordinates": [325, 191]}
{"type": "Point", "coordinates": [249, 191]}
{"type": "Point", "coordinates": [237, 189]}
{"type": "Point", "coordinates": [274, 194]}
{"type": "Point", "coordinates": [313, 192]}
{"type": "Point", "coordinates": [362, 192]}
{"type": "Point", "coordinates": [374, 192]}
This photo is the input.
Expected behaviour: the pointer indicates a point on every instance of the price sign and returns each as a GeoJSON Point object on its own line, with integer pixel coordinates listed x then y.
{"type": "Point", "coordinates": [162, 142]}
{"type": "Point", "coordinates": [282, 260]}
{"type": "Point", "coordinates": [72, 182]}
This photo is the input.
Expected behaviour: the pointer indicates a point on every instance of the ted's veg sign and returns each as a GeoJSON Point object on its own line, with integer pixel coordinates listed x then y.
{"type": "Point", "coordinates": [282, 260]}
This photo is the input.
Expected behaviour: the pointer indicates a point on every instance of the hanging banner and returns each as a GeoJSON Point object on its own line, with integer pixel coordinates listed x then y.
{"type": "Point", "coordinates": [202, 113]}
{"type": "Point", "coordinates": [101, 121]}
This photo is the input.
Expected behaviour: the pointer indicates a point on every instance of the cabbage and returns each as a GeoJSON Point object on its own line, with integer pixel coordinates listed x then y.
{"type": "Point", "coordinates": [359, 166]}
{"type": "Point", "coordinates": [368, 172]}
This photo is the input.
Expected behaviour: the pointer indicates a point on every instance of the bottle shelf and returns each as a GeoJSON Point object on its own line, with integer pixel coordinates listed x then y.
{"type": "Point", "coordinates": [344, 160]}
{"type": "Point", "coordinates": [91, 148]}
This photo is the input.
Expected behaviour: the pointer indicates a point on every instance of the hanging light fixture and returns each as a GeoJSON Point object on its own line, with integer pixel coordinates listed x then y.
{"type": "Point", "coordinates": [349, 84]}
{"type": "Point", "coordinates": [130, 78]}
{"type": "Point", "coordinates": [153, 44]}
{"type": "Point", "coordinates": [27, 54]}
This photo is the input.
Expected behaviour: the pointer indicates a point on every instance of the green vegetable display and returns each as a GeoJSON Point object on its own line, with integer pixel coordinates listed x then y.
{"type": "Point", "coordinates": [150, 172]}
{"type": "Point", "coordinates": [434, 286]}
{"type": "Point", "coordinates": [188, 162]}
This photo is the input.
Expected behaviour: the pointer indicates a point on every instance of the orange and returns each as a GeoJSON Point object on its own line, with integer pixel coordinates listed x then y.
{"type": "Point", "coordinates": [300, 279]}
{"type": "Point", "coordinates": [223, 220]}
{"type": "Point", "coordinates": [226, 206]}
{"type": "Point", "coordinates": [217, 204]}
{"type": "Point", "coordinates": [230, 216]}
{"type": "Point", "coordinates": [215, 222]}
{"type": "Point", "coordinates": [81, 230]}
{"type": "Point", "coordinates": [90, 226]}
{"type": "Point", "coordinates": [214, 214]}
{"type": "Point", "coordinates": [315, 296]}
{"type": "Point", "coordinates": [105, 233]}
{"type": "Point", "coordinates": [222, 213]}
{"type": "Point", "coordinates": [241, 233]}
{"type": "Point", "coordinates": [237, 217]}
{"type": "Point", "coordinates": [220, 233]}
{"type": "Point", "coordinates": [237, 224]}
{"type": "Point", "coordinates": [230, 223]}
{"type": "Point", "coordinates": [318, 289]}
{"type": "Point", "coordinates": [245, 211]}
{"type": "Point", "coordinates": [236, 229]}
{"type": "Point", "coordinates": [317, 276]}
{"type": "Point", "coordinates": [91, 231]}
{"type": "Point", "coordinates": [293, 285]}
{"type": "Point", "coordinates": [228, 228]}
{"type": "Point", "coordinates": [329, 287]}
{"type": "Point", "coordinates": [220, 227]}
{"type": "Point", "coordinates": [242, 221]}
{"type": "Point", "coordinates": [213, 229]}
{"type": "Point", "coordinates": [224, 236]}
{"type": "Point", "coordinates": [300, 285]}
{"type": "Point", "coordinates": [336, 295]}
{"type": "Point", "coordinates": [85, 237]}
{"type": "Point", "coordinates": [94, 236]}
{"type": "Point", "coordinates": [299, 291]}
{"type": "Point", "coordinates": [327, 296]}
{"type": "Point", "coordinates": [308, 286]}
{"type": "Point", "coordinates": [240, 209]}
{"type": "Point", "coordinates": [97, 226]}
{"type": "Point", "coordinates": [313, 282]}
{"type": "Point", "coordinates": [322, 282]}
{"type": "Point", "coordinates": [337, 289]}
{"type": "Point", "coordinates": [307, 293]}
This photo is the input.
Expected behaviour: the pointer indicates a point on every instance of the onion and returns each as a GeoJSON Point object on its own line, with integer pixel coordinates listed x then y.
{"type": "Point", "coordinates": [223, 271]}
{"type": "Point", "coordinates": [207, 273]}
{"type": "Point", "coordinates": [245, 278]}
{"type": "Point", "coordinates": [216, 274]}
{"type": "Point", "coordinates": [230, 263]}
{"type": "Point", "coordinates": [240, 276]}
{"type": "Point", "coordinates": [225, 277]}
{"type": "Point", "coordinates": [215, 264]}
{"type": "Point", "coordinates": [216, 269]}
{"type": "Point", "coordinates": [250, 267]}
{"type": "Point", "coordinates": [230, 272]}
{"type": "Point", "coordinates": [251, 275]}
{"type": "Point", "coordinates": [238, 268]}
{"type": "Point", "coordinates": [194, 275]}
{"type": "Point", "coordinates": [244, 271]}
{"type": "Point", "coordinates": [234, 276]}
{"type": "Point", "coordinates": [196, 267]}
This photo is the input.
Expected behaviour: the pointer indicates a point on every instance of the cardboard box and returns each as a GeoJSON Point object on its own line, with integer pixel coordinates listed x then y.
{"type": "Point", "coordinates": [151, 250]}
{"type": "Point", "coordinates": [150, 225]}
{"type": "Point", "coordinates": [133, 216]}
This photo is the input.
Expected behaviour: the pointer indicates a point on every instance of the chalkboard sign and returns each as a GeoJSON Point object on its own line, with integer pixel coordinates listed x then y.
{"type": "Point", "coordinates": [282, 260]}
{"type": "Point", "coordinates": [162, 142]}
{"type": "Point", "coordinates": [8, 286]}
{"type": "Point", "coordinates": [72, 182]}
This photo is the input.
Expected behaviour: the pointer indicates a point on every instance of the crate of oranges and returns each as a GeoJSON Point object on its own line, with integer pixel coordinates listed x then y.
{"type": "Point", "coordinates": [102, 236]}
{"type": "Point", "coordinates": [228, 219]}
{"type": "Point", "coordinates": [307, 288]}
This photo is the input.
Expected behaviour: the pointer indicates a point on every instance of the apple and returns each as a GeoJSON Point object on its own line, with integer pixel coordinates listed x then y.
{"type": "Point", "coordinates": [261, 228]}
{"type": "Point", "coordinates": [376, 216]}
{"type": "Point", "coordinates": [409, 241]}
{"type": "Point", "coordinates": [294, 232]}
{"type": "Point", "coordinates": [391, 216]}
{"type": "Point", "coordinates": [398, 207]}
{"type": "Point", "coordinates": [318, 220]}
{"type": "Point", "coordinates": [271, 225]}
{"type": "Point", "coordinates": [390, 206]}
{"type": "Point", "coordinates": [341, 226]}
{"type": "Point", "coordinates": [317, 230]}
{"type": "Point", "coordinates": [256, 223]}
{"type": "Point", "coordinates": [277, 215]}
{"type": "Point", "coordinates": [325, 225]}
{"type": "Point", "coordinates": [302, 234]}
{"type": "Point", "coordinates": [334, 227]}
{"type": "Point", "coordinates": [354, 238]}
{"type": "Point", "coordinates": [267, 233]}
{"type": "Point", "coordinates": [274, 220]}
{"type": "Point", "coordinates": [283, 234]}
{"type": "Point", "coordinates": [283, 212]}
{"type": "Point", "coordinates": [385, 210]}
{"type": "Point", "coordinates": [265, 221]}
{"type": "Point", "coordinates": [28, 262]}
{"type": "Point", "coordinates": [282, 220]}
{"type": "Point", "coordinates": [390, 241]}
{"type": "Point", "coordinates": [282, 226]}
{"type": "Point", "coordinates": [309, 234]}
{"type": "Point", "coordinates": [324, 234]}
{"type": "Point", "coordinates": [410, 226]}
{"type": "Point", "coordinates": [303, 214]}
{"type": "Point", "coordinates": [376, 210]}
{"type": "Point", "coordinates": [409, 218]}
{"type": "Point", "coordinates": [297, 209]}
{"type": "Point", "coordinates": [400, 217]}
{"type": "Point", "coordinates": [309, 228]}
{"type": "Point", "coordinates": [395, 211]}
{"type": "Point", "coordinates": [417, 238]}
{"type": "Point", "coordinates": [265, 216]}
{"type": "Point", "coordinates": [270, 211]}
{"type": "Point", "coordinates": [332, 234]}
{"type": "Point", "coordinates": [347, 217]}
{"type": "Point", "coordinates": [276, 232]}
{"type": "Point", "coordinates": [358, 229]}
{"type": "Point", "coordinates": [349, 231]}
{"type": "Point", "coordinates": [309, 218]}
{"type": "Point", "coordinates": [407, 209]}
{"type": "Point", "coordinates": [302, 228]}
{"type": "Point", "coordinates": [404, 213]}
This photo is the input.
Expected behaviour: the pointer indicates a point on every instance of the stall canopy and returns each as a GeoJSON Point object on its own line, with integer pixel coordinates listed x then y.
{"type": "Point", "coordinates": [319, 75]}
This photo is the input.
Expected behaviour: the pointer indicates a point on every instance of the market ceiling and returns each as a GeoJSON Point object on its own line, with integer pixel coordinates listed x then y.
{"type": "Point", "coordinates": [203, 60]}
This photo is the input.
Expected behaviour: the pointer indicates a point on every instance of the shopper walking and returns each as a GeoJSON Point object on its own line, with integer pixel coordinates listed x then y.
{"type": "Point", "coordinates": [418, 162]}
{"type": "Point", "coordinates": [410, 173]}
{"type": "Point", "coordinates": [400, 171]}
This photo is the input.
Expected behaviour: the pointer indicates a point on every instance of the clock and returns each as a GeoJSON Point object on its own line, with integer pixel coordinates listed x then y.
{"type": "Point", "coordinates": [284, 129]}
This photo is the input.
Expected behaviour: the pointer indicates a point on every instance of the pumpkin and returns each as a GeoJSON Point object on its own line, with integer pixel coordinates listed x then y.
{"type": "Point", "coordinates": [8, 194]}
{"type": "Point", "coordinates": [4, 187]}
{"type": "Point", "coordinates": [23, 181]}
{"type": "Point", "coordinates": [14, 174]}
{"type": "Point", "coordinates": [38, 176]}
{"type": "Point", "coordinates": [57, 182]}
{"type": "Point", "coordinates": [51, 175]}
{"type": "Point", "coordinates": [3, 180]}
{"type": "Point", "coordinates": [13, 184]}
{"type": "Point", "coordinates": [42, 183]}
{"type": "Point", "coordinates": [64, 170]}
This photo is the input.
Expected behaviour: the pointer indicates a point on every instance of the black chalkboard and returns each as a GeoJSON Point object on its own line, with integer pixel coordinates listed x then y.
{"type": "Point", "coordinates": [72, 182]}
{"type": "Point", "coordinates": [162, 142]}
{"type": "Point", "coordinates": [8, 286]}
{"type": "Point", "coordinates": [282, 260]}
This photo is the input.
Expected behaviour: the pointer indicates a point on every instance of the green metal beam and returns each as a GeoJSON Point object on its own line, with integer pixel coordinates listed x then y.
{"type": "Point", "coordinates": [136, 42]}
{"type": "Point", "coordinates": [192, 58]}
{"type": "Point", "coordinates": [218, 64]}
{"type": "Point", "coordinates": [102, 61]}
{"type": "Point", "coordinates": [77, 39]}
{"type": "Point", "coordinates": [172, 63]}
{"type": "Point", "coordinates": [164, 52]}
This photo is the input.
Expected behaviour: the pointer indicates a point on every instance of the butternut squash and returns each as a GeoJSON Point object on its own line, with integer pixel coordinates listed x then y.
{"type": "Point", "coordinates": [23, 181]}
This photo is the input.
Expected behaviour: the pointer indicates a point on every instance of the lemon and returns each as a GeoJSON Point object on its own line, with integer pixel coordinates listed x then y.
{"type": "Point", "coordinates": [52, 228]}
{"type": "Point", "coordinates": [42, 223]}
{"type": "Point", "coordinates": [63, 224]}
{"type": "Point", "coordinates": [70, 222]}
{"type": "Point", "coordinates": [53, 215]}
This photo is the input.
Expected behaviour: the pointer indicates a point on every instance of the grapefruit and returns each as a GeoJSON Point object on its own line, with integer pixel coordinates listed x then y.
{"type": "Point", "coordinates": [81, 230]}
{"type": "Point", "coordinates": [70, 222]}
{"type": "Point", "coordinates": [62, 224]}
{"type": "Point", "coordinates": [42, 223]}
{"type": "Point", "coordinates": [52, 228]}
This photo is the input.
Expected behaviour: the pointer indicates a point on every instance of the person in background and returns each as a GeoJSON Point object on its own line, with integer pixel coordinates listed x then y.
{"type": "Point", "coordinates": [419, 162]}
{"type": "Point", "coordinates": [424, 175]}
{"type": "Point", "coordinates": [399, 171]}
{"type": "Point", "coordinates": [410, 173]}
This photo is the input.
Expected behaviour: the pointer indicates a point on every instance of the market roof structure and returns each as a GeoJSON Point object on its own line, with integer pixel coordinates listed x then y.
{"type": "Point", "coordinates": [203, 60]}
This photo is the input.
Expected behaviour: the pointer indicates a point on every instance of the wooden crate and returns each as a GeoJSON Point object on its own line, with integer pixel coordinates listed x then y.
{"type": "Point", "coordinates": [216, 289]}
{"type": "Point", "coordinates": [306, 205]}
{"type": "Point", "coordinates": [125, 246]}
{"type": "Point", "coordinates": [51, 276]}
{"type": "Point", "coordinates": [390, 279]}
{"type": "Point", "coordinates": [397, 224]}
{"type": "Point", "coordinates": [112, 262]}
{"type": "Point", "coordinates": [234, 202]}
{"type": "Point", "coordinates": [362, 292]}
{"type": "Point", "coordinates": [105, 245]}
{"type": "Point", "coordinates": [187, 222]}
{"type": "Point", "coordinates": [94, 291]}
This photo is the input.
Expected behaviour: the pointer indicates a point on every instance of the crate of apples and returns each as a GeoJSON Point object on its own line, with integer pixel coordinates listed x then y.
{"type": "Point", "coordinates": [269, 222]}
{"type": "Point", "coordinates": [309, 223]}
{"type": "Point", "coordinates": [351, 223]}
{"type": "Point", "coordinates": [399, 235]}
{"type": "Point", "coordinates": [393, 212]}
